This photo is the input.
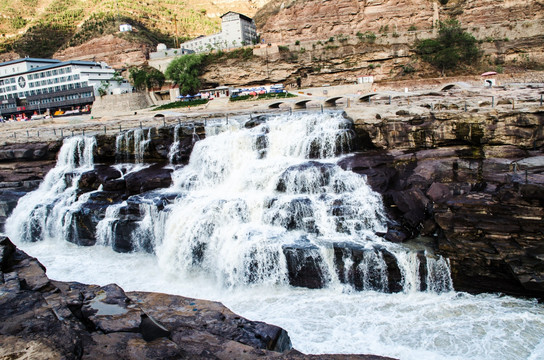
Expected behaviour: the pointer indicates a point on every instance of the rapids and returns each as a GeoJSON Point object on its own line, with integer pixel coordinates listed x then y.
{"type": "Point", "coordinates": [252, 208]}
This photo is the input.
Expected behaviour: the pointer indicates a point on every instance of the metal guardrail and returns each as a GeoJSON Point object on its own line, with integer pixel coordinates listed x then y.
{"type": "Point", "coordinates": [157, 122]}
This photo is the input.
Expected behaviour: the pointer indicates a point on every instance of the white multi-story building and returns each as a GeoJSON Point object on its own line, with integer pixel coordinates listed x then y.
{"type": "Point", "coordinates": [30, 84]}
{"type": "Point", "coordinates": [161, 58]}
{"type": "Point", "coordinates": [236, 30]}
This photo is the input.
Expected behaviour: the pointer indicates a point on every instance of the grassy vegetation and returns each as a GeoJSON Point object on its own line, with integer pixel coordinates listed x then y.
{"type": "Point", "coordinates": [240, 53]}
{"type": "Point", "coordinates": [263, 97]}
{"type": "Point", "coordinates": [41, 27]}
{"type": "Point", "coordinates": [181, 104]}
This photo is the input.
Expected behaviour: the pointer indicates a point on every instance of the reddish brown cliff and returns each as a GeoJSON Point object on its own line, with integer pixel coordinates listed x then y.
{"type": "Point", "coordinates": [281, 21]}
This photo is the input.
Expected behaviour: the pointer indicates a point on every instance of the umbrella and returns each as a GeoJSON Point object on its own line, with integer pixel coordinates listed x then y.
{"type": "Point", "coordinates": [198, 95]}
{"type": "Point", "coordinates": [489, 73]}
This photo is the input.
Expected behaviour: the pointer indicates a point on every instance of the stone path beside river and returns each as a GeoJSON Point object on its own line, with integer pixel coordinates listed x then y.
{"type": "Point", "coordinates": [385, 104]}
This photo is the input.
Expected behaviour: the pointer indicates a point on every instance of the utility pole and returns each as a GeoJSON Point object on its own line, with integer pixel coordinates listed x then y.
{"type": "Point", "coordinates": [267, 72]}
{"type": "Point", "coordinates": [176, 27]}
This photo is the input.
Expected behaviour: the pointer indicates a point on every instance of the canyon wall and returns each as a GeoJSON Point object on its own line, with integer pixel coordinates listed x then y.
{"type": "Point", "coordinates": [287, 21]}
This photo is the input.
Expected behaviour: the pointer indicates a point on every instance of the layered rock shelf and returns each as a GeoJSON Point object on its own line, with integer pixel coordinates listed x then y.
{"type": "Point", "coordinates": [472, 182]}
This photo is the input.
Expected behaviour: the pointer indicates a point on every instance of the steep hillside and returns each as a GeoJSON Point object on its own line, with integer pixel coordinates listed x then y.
{"type": "Point", "coordinates": [39, 28]}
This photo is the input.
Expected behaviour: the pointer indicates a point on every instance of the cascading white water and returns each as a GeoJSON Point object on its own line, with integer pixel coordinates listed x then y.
{"type": "Point", "coordinates": [104, 233]}
{"type": "Point", "coordinates": [174, 148]}
{"type": "Point", "coordinates": [174, 151]}
{"type": "Point", "coordinates": [134, 142]}
{"type": "Point", "coordinates": [46, 212]}
{"type": "Point", "coordinates": [267, 196]}
{"type": "Point", "coordinates": [245, 195]}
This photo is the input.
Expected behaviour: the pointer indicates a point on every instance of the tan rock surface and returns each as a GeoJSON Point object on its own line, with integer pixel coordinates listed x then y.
{"type": "Point", "coordinates": [311, 20]}
{"type": "Point", "coordinates": [116, 52]}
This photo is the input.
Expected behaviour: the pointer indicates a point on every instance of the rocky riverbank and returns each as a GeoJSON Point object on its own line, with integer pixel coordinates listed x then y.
{"type": "Point", "coordinates": [47, 319]}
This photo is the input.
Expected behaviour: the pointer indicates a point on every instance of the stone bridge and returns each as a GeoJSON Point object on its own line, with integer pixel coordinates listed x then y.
{"type": "Point", "coordinates": [317, 101]}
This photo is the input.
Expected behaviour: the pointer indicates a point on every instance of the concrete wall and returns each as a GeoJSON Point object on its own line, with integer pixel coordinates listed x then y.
{"type": "Point", "coordinates": [119, 104]}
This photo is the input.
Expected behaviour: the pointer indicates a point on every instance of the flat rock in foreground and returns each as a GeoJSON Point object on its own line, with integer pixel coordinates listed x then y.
{"type": "Point", "coordinates": [46, 319]}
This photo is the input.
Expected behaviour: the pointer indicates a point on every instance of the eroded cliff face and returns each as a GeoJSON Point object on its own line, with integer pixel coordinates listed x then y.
{"type": "Point", "coordinates": [116, 52]}
{"type": "Point", "coordinates": [288, 21]}
{"type": "Point", "coordinates": [315, 65]}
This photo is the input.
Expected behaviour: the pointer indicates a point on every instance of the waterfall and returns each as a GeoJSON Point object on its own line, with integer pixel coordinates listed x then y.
{"type": "Point", "coordinates": [46, 212]}
{"type": "Point", "coordinates": [261, 205]}
{"type": "Point", "coordinates": [132, 145]}
{"type": "Point", "coordinates": [104, 228]}
{"type": "Point", "coordinates": [278, 207]}
{"type": "Point", "coordinates": [174, 153]}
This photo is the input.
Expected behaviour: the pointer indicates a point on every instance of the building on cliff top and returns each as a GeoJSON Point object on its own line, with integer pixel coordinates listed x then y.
{"type": "Point", "coordinates": [236, 30]}
{"type": "Point", "coordinates": [31, 85]}
{"type": "Point", "coordinates": [161, 58]}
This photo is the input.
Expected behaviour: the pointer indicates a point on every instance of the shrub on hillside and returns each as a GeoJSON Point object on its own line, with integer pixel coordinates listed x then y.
{"type": "Point", "coordinates": [450, 49]}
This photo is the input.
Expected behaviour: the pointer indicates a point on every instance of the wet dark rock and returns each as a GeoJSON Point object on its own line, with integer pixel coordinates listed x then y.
{"type": "Point", "coordinates": [101, 175]}
{"type": "Point", "coordinates": [83, 228]}
{"type": "Point", "coordinates": [387, 279]}
{"type": "Point", "coordinates": [296, 214]}
{"type": "Point", "coordinates": [304, 266]}
{"type": "Point", "coordinates": [297, 175]}
{"type": "Point", "coordinates": [255, 121]}
{"type": "Point", "coordinates": [122, 235]}
{"type": "Point", "coordinates": [47, 319]}
{"type": "Point", "coordinates": [471, 181]}
{"type": "Point", "coordinates": [261, 144]}
{"type": "Point", "coordinates": [396, 236]}
{"type": "Point", "coordinates": [153, 177]}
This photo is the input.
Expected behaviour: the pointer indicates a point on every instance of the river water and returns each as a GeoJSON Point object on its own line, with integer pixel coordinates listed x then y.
{"type": "Point", "coordinates": [246, 196]}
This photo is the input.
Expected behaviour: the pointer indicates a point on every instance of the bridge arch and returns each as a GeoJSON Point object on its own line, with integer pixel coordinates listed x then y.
{"type": "Point", "coordinates": [302, 104]}
{"type": "Point", "coordinates": [366, 97]}
{"type": "Point", "coordinates": [332, 101]}
{"type": "Point", "coordinates": [456, 85]}
{"type": "Point", "coordinates": [275, 105]}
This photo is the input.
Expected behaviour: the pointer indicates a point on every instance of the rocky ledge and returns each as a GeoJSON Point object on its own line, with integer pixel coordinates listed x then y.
{"type": "Point", "coordinates": [473, 183]}
{"type": "Point", "coordinates": [47, 319]}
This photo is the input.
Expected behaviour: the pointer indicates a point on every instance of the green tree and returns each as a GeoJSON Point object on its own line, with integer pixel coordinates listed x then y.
{"type": "Point", "coordinates": [138, 78]}
{"type": "Point", "coordinates": [103, 89]}
{"type": "Point", "coordinates": [185, 71]}
{"type": "Point", "coordinates": [452, 47]}
{"type": "Point", "coordinates": [146, 78]}
{"type": "Point", "coordinates": [154, 79]}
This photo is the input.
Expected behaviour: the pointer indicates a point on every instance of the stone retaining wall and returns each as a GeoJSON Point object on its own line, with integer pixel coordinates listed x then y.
{"type": "Point", "coordinates": [107, 104]}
